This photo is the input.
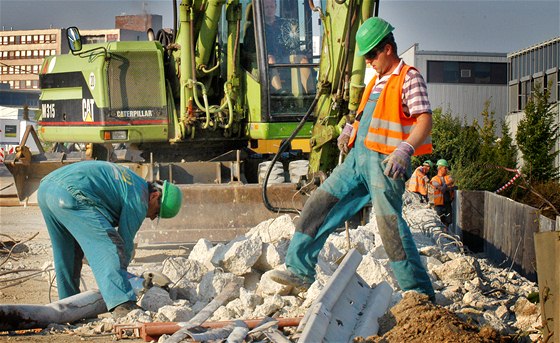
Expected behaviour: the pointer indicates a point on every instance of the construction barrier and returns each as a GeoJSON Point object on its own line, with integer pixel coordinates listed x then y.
{"type": "Point", "coordinates": [517, 236]}
{"type": "Point", "coordinates": [501, 228]}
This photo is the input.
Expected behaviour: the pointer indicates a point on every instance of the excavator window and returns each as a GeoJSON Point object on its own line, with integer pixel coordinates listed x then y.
{"type": "Point", "coordinates": [286, 32]}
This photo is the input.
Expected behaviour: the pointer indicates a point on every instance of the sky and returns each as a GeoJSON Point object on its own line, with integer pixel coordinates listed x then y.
{"type": "Point", "coordinates": [502, 26]}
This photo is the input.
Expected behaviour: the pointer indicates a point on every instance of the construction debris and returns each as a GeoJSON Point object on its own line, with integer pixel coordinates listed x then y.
{"type": "Point", "coordinates": [467, 286]}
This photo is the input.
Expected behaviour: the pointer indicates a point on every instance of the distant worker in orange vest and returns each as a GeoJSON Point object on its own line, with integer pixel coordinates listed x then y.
{"type": "Point", "coordinates": [444, 192]}
{"type": "Point", "coordinates": [418, 183]}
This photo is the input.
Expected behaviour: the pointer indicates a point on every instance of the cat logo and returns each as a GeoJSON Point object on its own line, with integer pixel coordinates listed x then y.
{"type": "Point", "coordinates": [87, 109]}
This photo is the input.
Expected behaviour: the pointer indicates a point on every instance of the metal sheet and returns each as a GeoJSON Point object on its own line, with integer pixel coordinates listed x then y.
{"type": "Point", "coordinates": [218, 212]}
{"type": "Point", "coordinates": [335, 315]}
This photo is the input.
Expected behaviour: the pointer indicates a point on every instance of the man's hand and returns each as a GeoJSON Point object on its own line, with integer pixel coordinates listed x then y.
{"type": "Point", "coordinates": [426, 180]}
{"type": "Point", "coordinates": [344, 138]}
{"type": "Point", "coordinates": [398, 161]}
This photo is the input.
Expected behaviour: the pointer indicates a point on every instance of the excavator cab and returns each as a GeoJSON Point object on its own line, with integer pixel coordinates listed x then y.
{"type": "Point", "coordinates": [279, 62]}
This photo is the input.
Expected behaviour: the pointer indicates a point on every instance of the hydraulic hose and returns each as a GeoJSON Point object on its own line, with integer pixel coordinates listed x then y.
{"type": "Point", "coordinates": [282, 148]}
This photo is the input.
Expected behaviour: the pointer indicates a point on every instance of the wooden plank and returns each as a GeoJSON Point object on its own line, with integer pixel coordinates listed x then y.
{"type": "Point", "coordinates": [547, 247]}
{"type": "Point", "coordinates": [556, 303]}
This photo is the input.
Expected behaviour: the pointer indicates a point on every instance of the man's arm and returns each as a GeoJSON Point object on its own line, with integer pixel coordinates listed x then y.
{"type": "Point", "coordinates": [421, 131]}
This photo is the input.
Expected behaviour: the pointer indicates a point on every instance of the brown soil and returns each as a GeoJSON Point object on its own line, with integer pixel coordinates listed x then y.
{"type": "Point", "coordinates": [416, 320]}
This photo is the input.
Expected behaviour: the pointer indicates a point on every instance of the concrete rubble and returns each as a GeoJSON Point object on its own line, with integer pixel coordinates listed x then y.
{"type": "Point", "coordinates": [465, 284]}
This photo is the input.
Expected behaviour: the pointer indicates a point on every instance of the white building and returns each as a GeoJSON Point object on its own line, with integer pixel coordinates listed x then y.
{"type": "Point", "coordinates": [461, 82]}
{"type": "Point", "coordinates": [537, 64]}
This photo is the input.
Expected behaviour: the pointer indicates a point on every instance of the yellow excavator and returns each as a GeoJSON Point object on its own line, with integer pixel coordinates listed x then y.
{"type": "Point", "coordinates": [232, 85]}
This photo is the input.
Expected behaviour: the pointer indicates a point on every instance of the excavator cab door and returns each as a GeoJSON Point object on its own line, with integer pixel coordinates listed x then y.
{"type": "Point", "coordinates": [280, 56]}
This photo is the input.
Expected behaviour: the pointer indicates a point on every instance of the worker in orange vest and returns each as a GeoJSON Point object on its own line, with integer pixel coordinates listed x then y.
{"type": "Point", "coordinates": [444, 192]}
{"type": "Point", "coordinates": [393, 123]}
{"type": "Point", "coordinates": [418, 183]}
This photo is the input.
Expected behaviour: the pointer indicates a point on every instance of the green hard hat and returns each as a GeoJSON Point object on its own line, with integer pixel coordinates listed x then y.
{"type": "Point", "coordinates": [370, 33]}
{"type": "Point", "coordinates": [442, 163]}
{"type": "Point", "coordinates": [171, 198]}
{"type": "Point", "coordinates": [428, 163]}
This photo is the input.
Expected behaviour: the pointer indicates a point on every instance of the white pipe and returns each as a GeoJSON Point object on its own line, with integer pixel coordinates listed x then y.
{"type": "Point", "coordinates": [83, 305]}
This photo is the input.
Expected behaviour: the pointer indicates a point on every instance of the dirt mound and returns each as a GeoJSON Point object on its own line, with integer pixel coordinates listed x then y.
{"type": "Point", "coordinates": [416, 319]}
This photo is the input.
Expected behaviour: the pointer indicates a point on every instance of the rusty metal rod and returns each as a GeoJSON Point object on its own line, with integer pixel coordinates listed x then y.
{"type": "Point", "coordinates": [152, 331]}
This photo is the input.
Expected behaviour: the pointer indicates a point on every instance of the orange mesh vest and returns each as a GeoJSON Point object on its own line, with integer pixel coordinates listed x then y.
{"type": "Point", "coordinates": [438, 194]}
{"type": "Point", "coordinates": [416, 183]}
{"type": "Point", "coordinates": [389, 125]}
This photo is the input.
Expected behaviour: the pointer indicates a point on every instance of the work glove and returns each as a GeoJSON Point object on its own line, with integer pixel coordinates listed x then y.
{"type": "Point", "coordinates": [426, 180]}
{"type": "Point", "coordinates": [398, 161]}
{"type": "Point", "coordinates": [344, 138]}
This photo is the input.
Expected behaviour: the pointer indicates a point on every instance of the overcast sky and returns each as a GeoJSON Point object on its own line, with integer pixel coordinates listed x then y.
{"type": "Point", "coordinates": [445, 25]}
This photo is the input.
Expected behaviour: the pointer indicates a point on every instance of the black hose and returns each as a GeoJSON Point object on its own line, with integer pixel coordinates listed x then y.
{"type": "Point", "coordinates": [280, 151]}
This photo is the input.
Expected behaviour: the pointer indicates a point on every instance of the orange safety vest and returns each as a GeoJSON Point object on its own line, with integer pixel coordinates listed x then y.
{"type": "Point", "coordinates": [389, 124]}
{"type": "Point", "coordinates": [438, 194]}
{"type": "Point", "coordinates": [417, 184]}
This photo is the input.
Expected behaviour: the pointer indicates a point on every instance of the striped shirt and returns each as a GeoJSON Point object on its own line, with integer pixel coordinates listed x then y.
{"type": "Point", "coordinates": [415, 92]}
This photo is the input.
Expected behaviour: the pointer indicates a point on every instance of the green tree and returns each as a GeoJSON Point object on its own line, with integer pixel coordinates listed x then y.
{"type": "Point", "coordinates": [536, 135]}
{"type": "Point", "coordinates": [473, 150]}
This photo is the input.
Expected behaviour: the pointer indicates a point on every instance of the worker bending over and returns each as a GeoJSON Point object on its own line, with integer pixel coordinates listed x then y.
{"type": "Point", "coordinates": [444, 192]}
{"type": "Point", "coordinates": [418, 183]}
{"type": "Point", "coordinates": [393, 123]}
{"type": "Point", "coordinates": [95, 208]}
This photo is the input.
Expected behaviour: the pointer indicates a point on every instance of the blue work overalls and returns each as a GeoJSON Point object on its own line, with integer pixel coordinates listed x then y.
{"type": "Point", "coordinates": [93, 208]}
{"type": "Point", "coordinates": [351, 186]}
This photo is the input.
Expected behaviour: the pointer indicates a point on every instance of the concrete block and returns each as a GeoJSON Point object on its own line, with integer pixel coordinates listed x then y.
{"type": "Point", "coordinates": [179, 268]}
{"type": "Point", "coordinates": [171, 313]}
{"type": "Point", "coordinates": [241, 255]}
{"type": "Point", "coordinates": [273, 230]}
{"type": "Point", "coordinates": [154, 299]}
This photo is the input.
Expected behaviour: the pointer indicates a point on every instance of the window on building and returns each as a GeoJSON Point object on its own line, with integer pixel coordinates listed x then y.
{"type": "Point", "coordinates": [10, 130]}
{"type": "Point", "coordinates": [12, 39]}
{"type": "Point", "coordinates": [552, 84]}
{"type": "Point", "coordinates": [494, 73]}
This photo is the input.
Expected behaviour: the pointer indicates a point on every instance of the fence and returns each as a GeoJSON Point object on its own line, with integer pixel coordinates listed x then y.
{"type": "Point", "coordinates": [501, 228]}
{"type": "Point", "coordinates": [517, 236]}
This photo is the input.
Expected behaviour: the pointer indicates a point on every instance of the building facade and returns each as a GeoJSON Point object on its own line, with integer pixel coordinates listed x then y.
{"type": "Point", "coordinates": [538, 64]}
{"type": "Point", "coordinates": [22, 52]}
{"type": "Point", "coordinates": [139, 22]}
{"type": "Point", "coordinates": [462, 82]}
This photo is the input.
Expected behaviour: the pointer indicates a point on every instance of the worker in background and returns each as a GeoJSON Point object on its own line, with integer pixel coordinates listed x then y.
{"type": "Point", "coordinates": [393, 123]}
{"type": "Point", "coordinates": [95, 208]}
{"type": "Point", "coordinates": [444, 192]}
{"type": "Point", "coordinates": [418, 183]}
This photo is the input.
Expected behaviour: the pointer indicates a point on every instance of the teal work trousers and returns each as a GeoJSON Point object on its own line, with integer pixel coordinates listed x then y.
{"type": "Point", "coordinates": [77, 229]}
{"type": "Point", "coordinates": [353, 184]}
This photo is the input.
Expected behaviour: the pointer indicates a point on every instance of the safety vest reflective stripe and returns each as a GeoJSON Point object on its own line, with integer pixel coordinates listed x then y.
{"type": "Point", "coordinates": [389, 125]}
{"type": "Point", "coordinates": [416, 183]}
{"type": "Point", "coordinates": [439, 181]}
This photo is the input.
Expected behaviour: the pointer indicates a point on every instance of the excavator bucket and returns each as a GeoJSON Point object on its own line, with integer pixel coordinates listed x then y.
{"type": "Point", "coordinates": [29, 168]}
{"type": "Point", "coordinates": [215, 206]}
{"type": "Point", "coordinates": [219, 212]}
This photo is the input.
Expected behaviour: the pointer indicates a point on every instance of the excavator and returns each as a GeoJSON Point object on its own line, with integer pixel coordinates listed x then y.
{"type": "Point", "coordinates": [233, 84]}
